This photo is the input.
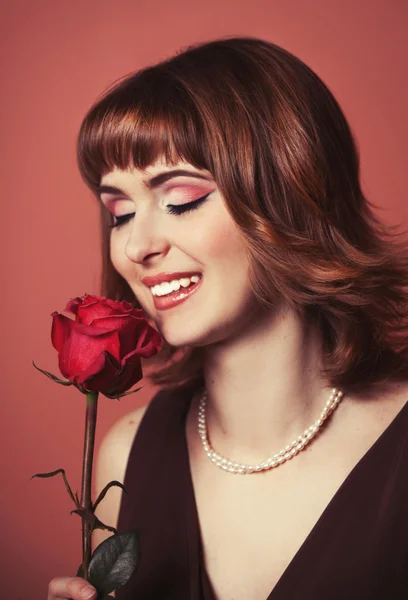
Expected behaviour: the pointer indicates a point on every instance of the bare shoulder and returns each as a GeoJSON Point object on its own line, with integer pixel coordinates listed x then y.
{"type": "Point", "coordinates": [117, 442]}
{"type": "Point", "coordinates": [111, 462]}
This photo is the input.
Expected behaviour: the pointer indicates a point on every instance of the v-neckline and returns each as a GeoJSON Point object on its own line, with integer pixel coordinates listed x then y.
{"type": "Point", "coordinates": [279, 587]}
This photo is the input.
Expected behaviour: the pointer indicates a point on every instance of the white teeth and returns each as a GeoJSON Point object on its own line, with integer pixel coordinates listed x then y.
{"type": "Point", "coordinates": [165, 288]}
{"type": "Point", "coordinates": [162, 289]}
{"type": "Point", "coordinates": [175, 285]}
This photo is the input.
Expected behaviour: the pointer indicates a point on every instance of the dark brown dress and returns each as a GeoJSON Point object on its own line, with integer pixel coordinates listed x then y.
{"type": "Point", "coordinates": [357, 550]}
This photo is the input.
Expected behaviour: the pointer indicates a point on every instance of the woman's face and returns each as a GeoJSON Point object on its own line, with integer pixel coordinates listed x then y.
{"type": "Point", "coordinates": [173, 226]}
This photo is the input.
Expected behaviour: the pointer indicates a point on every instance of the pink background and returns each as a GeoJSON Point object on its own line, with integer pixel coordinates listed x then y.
{"type": "Point", "coordinates": [57, 58]}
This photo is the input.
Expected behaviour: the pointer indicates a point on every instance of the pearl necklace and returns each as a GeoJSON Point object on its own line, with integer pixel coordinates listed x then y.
{"type": "Point", "coordinates": [277, 459]}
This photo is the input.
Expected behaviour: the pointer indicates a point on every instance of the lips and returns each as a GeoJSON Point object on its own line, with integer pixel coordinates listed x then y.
{"type": "Point", "coordinates": [152, 280]}
{"type": "Point", "coordinates": [178, 297]}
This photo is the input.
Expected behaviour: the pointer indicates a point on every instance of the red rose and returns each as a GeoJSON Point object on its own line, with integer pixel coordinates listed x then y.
{"type": "Point", "coordinates": [101, 350]}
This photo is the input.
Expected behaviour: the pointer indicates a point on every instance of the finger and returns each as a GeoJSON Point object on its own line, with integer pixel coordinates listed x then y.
{"type": "Point", "coordinates": [74, 588]}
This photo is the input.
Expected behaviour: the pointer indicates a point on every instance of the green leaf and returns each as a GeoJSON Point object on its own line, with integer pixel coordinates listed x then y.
{"type": "Point", "coordinates": [105, 489]}
{"type": "Point", "coordinates": [95, 523]}
{"type": "Point", "coordinates": [118, 396]}
{"type": "Point", "coordinates": [114, 562]}
{"type": "Point", "coordinates": [53, 377]}
{"type": "Point", "coordinates": [51, 474]}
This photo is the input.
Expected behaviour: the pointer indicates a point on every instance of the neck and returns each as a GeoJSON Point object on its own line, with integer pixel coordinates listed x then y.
{"type": "Point", "coordinates": [264, 387]}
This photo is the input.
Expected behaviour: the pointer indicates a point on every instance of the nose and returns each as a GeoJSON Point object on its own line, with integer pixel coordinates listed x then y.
{"type": "Point", "coordinates": [147, 238]}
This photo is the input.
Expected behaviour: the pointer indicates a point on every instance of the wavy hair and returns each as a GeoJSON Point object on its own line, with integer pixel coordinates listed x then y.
{"type": "Point", "coordinates": [283, 156]}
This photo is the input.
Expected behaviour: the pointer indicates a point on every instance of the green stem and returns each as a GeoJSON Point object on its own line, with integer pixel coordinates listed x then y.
{"type": "Point", "coordinates": [86, 490]}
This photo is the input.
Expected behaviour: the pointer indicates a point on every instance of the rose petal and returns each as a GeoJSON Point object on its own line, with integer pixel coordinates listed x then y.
{"type": "Point", "coordinates": [104, 375]}
{"type": "Point", "coordinates": [153, 346]}
{"type": "Point", "coordinates": [83, 345]}
{"type": "Point", "coordinates": [100, 373]}
{"type": "Point", "coordinates": [113, 321]}
{"type": "Point", "coordinates": [90, 309]}
{"type": "Point", "coordinates": [130, 374]}
{"type": "Point", "coordinates": [60, 330]}
{"type": "Point", "coordinates": [75, 303]}
{"type": "Point", "coordinates": [132, 331]}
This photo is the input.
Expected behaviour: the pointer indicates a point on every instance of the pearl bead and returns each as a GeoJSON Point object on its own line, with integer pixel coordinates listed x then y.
{"type": "Point", "coordinates": [278, 458]}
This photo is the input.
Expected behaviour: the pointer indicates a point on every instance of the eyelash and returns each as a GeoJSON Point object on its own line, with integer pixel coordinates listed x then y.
{"type": "Point", "coordinates": [173, 209]}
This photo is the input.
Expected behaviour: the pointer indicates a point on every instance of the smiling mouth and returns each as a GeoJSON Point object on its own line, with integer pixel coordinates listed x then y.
{"type": "Point", "coordinates": [167, 295]}
{"type": "Point", "coordinates": [167, 288]}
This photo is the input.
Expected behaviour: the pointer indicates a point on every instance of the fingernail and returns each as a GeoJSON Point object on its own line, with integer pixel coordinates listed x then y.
{"type": "Point", "coordinates": [87, 592]}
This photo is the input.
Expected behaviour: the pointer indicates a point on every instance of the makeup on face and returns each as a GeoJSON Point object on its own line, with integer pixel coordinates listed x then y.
{"type": "Point", "coordinates": [171, 189]}
{"type": "Point", "coordinates": [180, 266]}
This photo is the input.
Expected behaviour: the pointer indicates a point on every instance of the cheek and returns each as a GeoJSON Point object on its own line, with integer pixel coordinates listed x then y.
{"type": "Point", "coordinates": [216, 233]}
{"type": "Point", "coordinates": [224, 243]}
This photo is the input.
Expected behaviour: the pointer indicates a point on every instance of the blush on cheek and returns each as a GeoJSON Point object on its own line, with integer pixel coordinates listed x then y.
{"type": "Point", "coordinates": [226, 240]}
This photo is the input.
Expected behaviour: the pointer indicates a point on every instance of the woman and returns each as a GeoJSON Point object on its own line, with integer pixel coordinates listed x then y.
{"type": "Point", "coordinates": [230, 172]}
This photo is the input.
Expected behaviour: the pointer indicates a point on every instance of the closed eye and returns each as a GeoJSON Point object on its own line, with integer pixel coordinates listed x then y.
{"type": "Point", "coordinates": [179, 209]}
{"type": "Point", "coordinates": [121, 220]}
{"type": "Point", "coordinates": [173, 209]}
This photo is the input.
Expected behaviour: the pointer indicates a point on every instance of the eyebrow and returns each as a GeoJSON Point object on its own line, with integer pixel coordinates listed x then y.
{"type": "Point", "coordinates": [155, 181]}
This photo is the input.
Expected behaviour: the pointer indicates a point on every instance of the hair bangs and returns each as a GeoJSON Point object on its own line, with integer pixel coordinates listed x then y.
{"type": "Point", "coordinates": [142, 120]}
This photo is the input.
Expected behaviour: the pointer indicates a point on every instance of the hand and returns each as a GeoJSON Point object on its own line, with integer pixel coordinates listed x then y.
{"type": "Point", "coordinates": [73, 588]}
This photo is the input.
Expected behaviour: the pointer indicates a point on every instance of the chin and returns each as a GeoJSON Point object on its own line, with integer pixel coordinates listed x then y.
{"type": "Point", "coordinates": [182, 339]}
{"type": "Point", "coordinates": [191, 337]}
{"type": "Point", "coordinates": [183, 336]}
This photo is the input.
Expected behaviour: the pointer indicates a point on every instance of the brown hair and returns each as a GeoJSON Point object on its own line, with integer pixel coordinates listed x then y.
{"type": "Point", "coordinates": [283, 156]}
